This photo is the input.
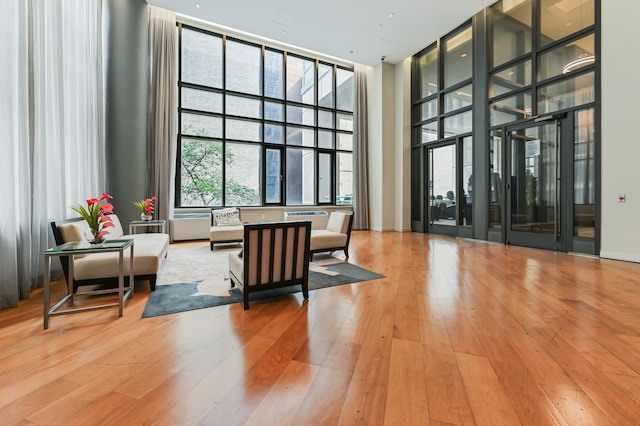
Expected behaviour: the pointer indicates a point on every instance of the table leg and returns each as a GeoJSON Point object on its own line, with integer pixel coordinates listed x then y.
{"type": "Point", "coordinates": [47, 289]}
{"type": "Point", "coordinates": [70, 281]}
{"type": "Point", "coordinates": [131, 274]}
{"type": "Point", "coordinates": [121, 283]}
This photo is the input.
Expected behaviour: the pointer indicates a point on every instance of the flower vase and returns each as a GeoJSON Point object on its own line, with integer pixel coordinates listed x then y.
{"type": "Point", "coordinates": [146, 217]}
{"type": "Point", "coordinates": [91, 238]}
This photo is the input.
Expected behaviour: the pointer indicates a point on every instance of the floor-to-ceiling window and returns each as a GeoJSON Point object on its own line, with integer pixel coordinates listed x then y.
{"type": "Point", "coordinates": [260, 125]}
{"type": "Point", "coordinates": [442, 127]}
{"type": "Point", "coordinates": [540, 153]}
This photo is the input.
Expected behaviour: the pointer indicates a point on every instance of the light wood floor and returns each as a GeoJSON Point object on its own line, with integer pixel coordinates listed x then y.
{"type": "Point", "coordinates": [459, 332]}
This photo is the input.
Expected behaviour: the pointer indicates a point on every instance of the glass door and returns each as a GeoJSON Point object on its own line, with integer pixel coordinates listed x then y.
{"type": "Point", "coordinates": [534, 191]}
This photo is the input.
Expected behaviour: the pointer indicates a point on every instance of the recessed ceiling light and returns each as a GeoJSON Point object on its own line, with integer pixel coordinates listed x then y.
{"type": "Point", "coordinates": [391, 14]}
{"type": "Point", "coordinates": [351, 52]}
{"type": "Point", "coordinates": [464, 55]}
{"type": "Point", "coordinates": [284, 33]}
{"type": "Point", "coordinates": [197, 5]}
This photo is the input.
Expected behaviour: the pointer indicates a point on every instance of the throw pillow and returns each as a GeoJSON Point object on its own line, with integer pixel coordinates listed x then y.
{"type": "Point", "coordinates": [227, 217]}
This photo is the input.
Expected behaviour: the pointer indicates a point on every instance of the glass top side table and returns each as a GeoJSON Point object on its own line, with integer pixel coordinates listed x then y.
{"type": "Point", "coordinates": [158, 223]}
{"type": "Point", "coordinates": [72, 249]}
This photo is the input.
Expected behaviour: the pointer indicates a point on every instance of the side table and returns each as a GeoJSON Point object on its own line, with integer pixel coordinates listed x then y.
{"type": "Point", "coordinates": [72, 249]}
{"type": "Point", "coordinates": [160, 223]}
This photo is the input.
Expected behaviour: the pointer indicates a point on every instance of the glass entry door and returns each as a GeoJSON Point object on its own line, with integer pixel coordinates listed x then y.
{"type": "Point", "coordinates": [534, 191]}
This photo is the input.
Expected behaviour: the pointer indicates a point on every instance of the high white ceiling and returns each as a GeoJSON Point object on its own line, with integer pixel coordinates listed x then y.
{"type": "Point", "coordinates": [359, 31]}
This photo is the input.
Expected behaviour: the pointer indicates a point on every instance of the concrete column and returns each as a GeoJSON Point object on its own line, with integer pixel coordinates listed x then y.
{"type": "Point", "coordinates": [125, 25]}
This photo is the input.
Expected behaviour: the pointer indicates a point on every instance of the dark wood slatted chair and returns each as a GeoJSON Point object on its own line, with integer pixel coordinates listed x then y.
{"type": "Point", "coordinates": [275, 255]}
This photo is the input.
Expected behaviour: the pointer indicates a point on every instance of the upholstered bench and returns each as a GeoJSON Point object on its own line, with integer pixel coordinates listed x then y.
{"type": "Point", "coordinates": [226, 226]}
{"type": "Point", "coordinates": [101, 268]}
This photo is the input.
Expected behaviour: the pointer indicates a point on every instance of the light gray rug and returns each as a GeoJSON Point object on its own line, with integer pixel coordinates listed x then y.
{"type": "Point", "coordinates": [197, 278]}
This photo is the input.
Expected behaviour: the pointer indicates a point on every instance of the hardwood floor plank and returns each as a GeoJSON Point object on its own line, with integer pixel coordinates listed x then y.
{"type": "Point", "coordinates": [459, 332]}
{"type": "Point", "coordinates": [281, 403]}
{"type": "Point", "coordinates": [489, 403]}
{"type": "Point", "coordinates": [576, 407]}
{"type": "Point", "coordinates": [407, 395]}
{"type": "Point", "coordinates": [324, 401]}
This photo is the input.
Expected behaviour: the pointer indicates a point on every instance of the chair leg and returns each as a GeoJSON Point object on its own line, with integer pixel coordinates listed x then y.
{"type": "Point", "coordinates": [245, 299]}
{"type": "Point", "coordinates": [211, 245]}
{"type": "Point", "coordinates": [152, 283]}
{"type": "Point", "coordinates": [305, 290]}
{"type": "Point", "coordinates": [346, 252]}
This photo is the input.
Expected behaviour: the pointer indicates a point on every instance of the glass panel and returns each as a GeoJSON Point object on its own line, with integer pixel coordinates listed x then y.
{"type": "Point", "coordinates": [272, 183]}
{"type": "Point", "coordinates": [416, 184]}
{"type": "Point", "coordinates": [300, 80]}
{"type": "Point", "coordinates": [344, 121]}
{"type": "Point", "coordinates": [345, 179]}
{"type": "Point", "coordinates": [511, 30]}
{"type": "Point", "coordinates": [299, 136]}
{"type": "Point", "coordinates": [273, 133]}
{"type": "Point", "coordinates": [201, 100]}
{"type": "Point", "coordinates": [201, 58]}
{"type": "Point", "coordinates": [427, 73]}
{"type": "Point", "coordinates": [243, 107]}
{"type": "Point", "coordinates": [511, 109]}
{"type": "Point", "coordinates": [324, 178]}
{"type": "Point", "coordinates": [345, 141]}
{"type": "Point", "coordinates": [533, 179]}
{"type": "Point", "coordinates": [566, 94]}
{"type": "Point", "coordinates": [559, 18]}
{"type": "Point", "coordinates": [509, 79]}
{"type": "Point", "coordinates": [458, 99]}
{"type": "Point", "coordinates": [344, 89]}
{"type": "Point", "coordinates": [496, 194]}
{"type": "Point", "coordinates": [243, 130]}
{"type": "Point", "coordinates": [325, 85]}
{"type": "Point", "coordinates": [243, 67]}
{"type": "Point", "coordinates": [273, 74]}
{"type": "Point", "coordinates": [584, 177]}
{"type": "Point", "coordinates": [300, 115]}
{"type": "Point", "coordinates": [427, 110]}
{"type": "Point", "coordinates": [458, 58]}
{"type": "Point", "coordinates": [273, 111]}
{"type": "Point", "coordinates": [201, 125]}
{"type": "Point", "coordinates": [301, 176]}
{"type": "Point", "coordinates": [568, 58]}
{"type": "Point", "coordinates": [242, 180]}
{"type": "Point", "coordinates": [429, 132]}
{"type": "Point", "coordinates": [457, 124]}
{"type": "Point", "coordinates": [201, 173]}
{"type": "Point", "coordinates": [466, 201]}
{"type": "Point", "coordinates": [442, 198]}
{"type": "Point", "coordinates": [325, 139]}
{"type": "Point", "coordinates": [325, 119]}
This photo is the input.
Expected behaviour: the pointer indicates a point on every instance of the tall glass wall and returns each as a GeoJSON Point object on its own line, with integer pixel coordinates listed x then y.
{"type": "Point", "coordinates": [541, 61]}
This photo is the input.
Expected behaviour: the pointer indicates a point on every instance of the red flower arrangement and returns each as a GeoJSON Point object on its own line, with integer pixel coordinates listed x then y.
{"type": "Point", "coordinates": [146, 207]}
{"type": "Point", "coordinates": [94, 215]}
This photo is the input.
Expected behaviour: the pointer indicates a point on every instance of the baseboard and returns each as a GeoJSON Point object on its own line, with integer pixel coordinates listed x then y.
{"type": "Point", "coordinates": [627, 257]}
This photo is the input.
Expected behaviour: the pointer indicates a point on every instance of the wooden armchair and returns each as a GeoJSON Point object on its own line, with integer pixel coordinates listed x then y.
{"type": "Point", "coordinates": [274, 255]}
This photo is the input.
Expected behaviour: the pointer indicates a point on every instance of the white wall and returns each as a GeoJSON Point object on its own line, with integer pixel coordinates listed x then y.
{"type": "Point", "coordinates": [620, 144]}
{"type": "Point", "coordinates": [382, 185]}
{"type": "Point", "coordinates": [402, 146]}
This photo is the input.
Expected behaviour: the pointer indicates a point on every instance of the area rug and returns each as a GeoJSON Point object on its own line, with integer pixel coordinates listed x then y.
{"type": "Point", "coordinates": [198, 278]}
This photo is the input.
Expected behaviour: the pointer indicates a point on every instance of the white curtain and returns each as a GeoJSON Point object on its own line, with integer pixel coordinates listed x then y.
{"type": "Point", "coordinates": [162, 124]}
{"type": "Point", "coordinates": [360, 151]}
{"type": "Point", "coordinates": [52, 56]}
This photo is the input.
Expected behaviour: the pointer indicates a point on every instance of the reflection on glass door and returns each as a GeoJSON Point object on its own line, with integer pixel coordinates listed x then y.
{"type": "Point", "coordinates": [442, 185]}
{"type": "Point", "coordinates": [534, 196]}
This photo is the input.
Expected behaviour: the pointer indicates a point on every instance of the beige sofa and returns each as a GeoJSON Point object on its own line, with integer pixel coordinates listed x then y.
{"type": "Point", "coordinates": [226, 226]}
{"type": "Point", "coordinates": [99, 268]}
{"type": "Point", "coordinates": [335, 237]}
